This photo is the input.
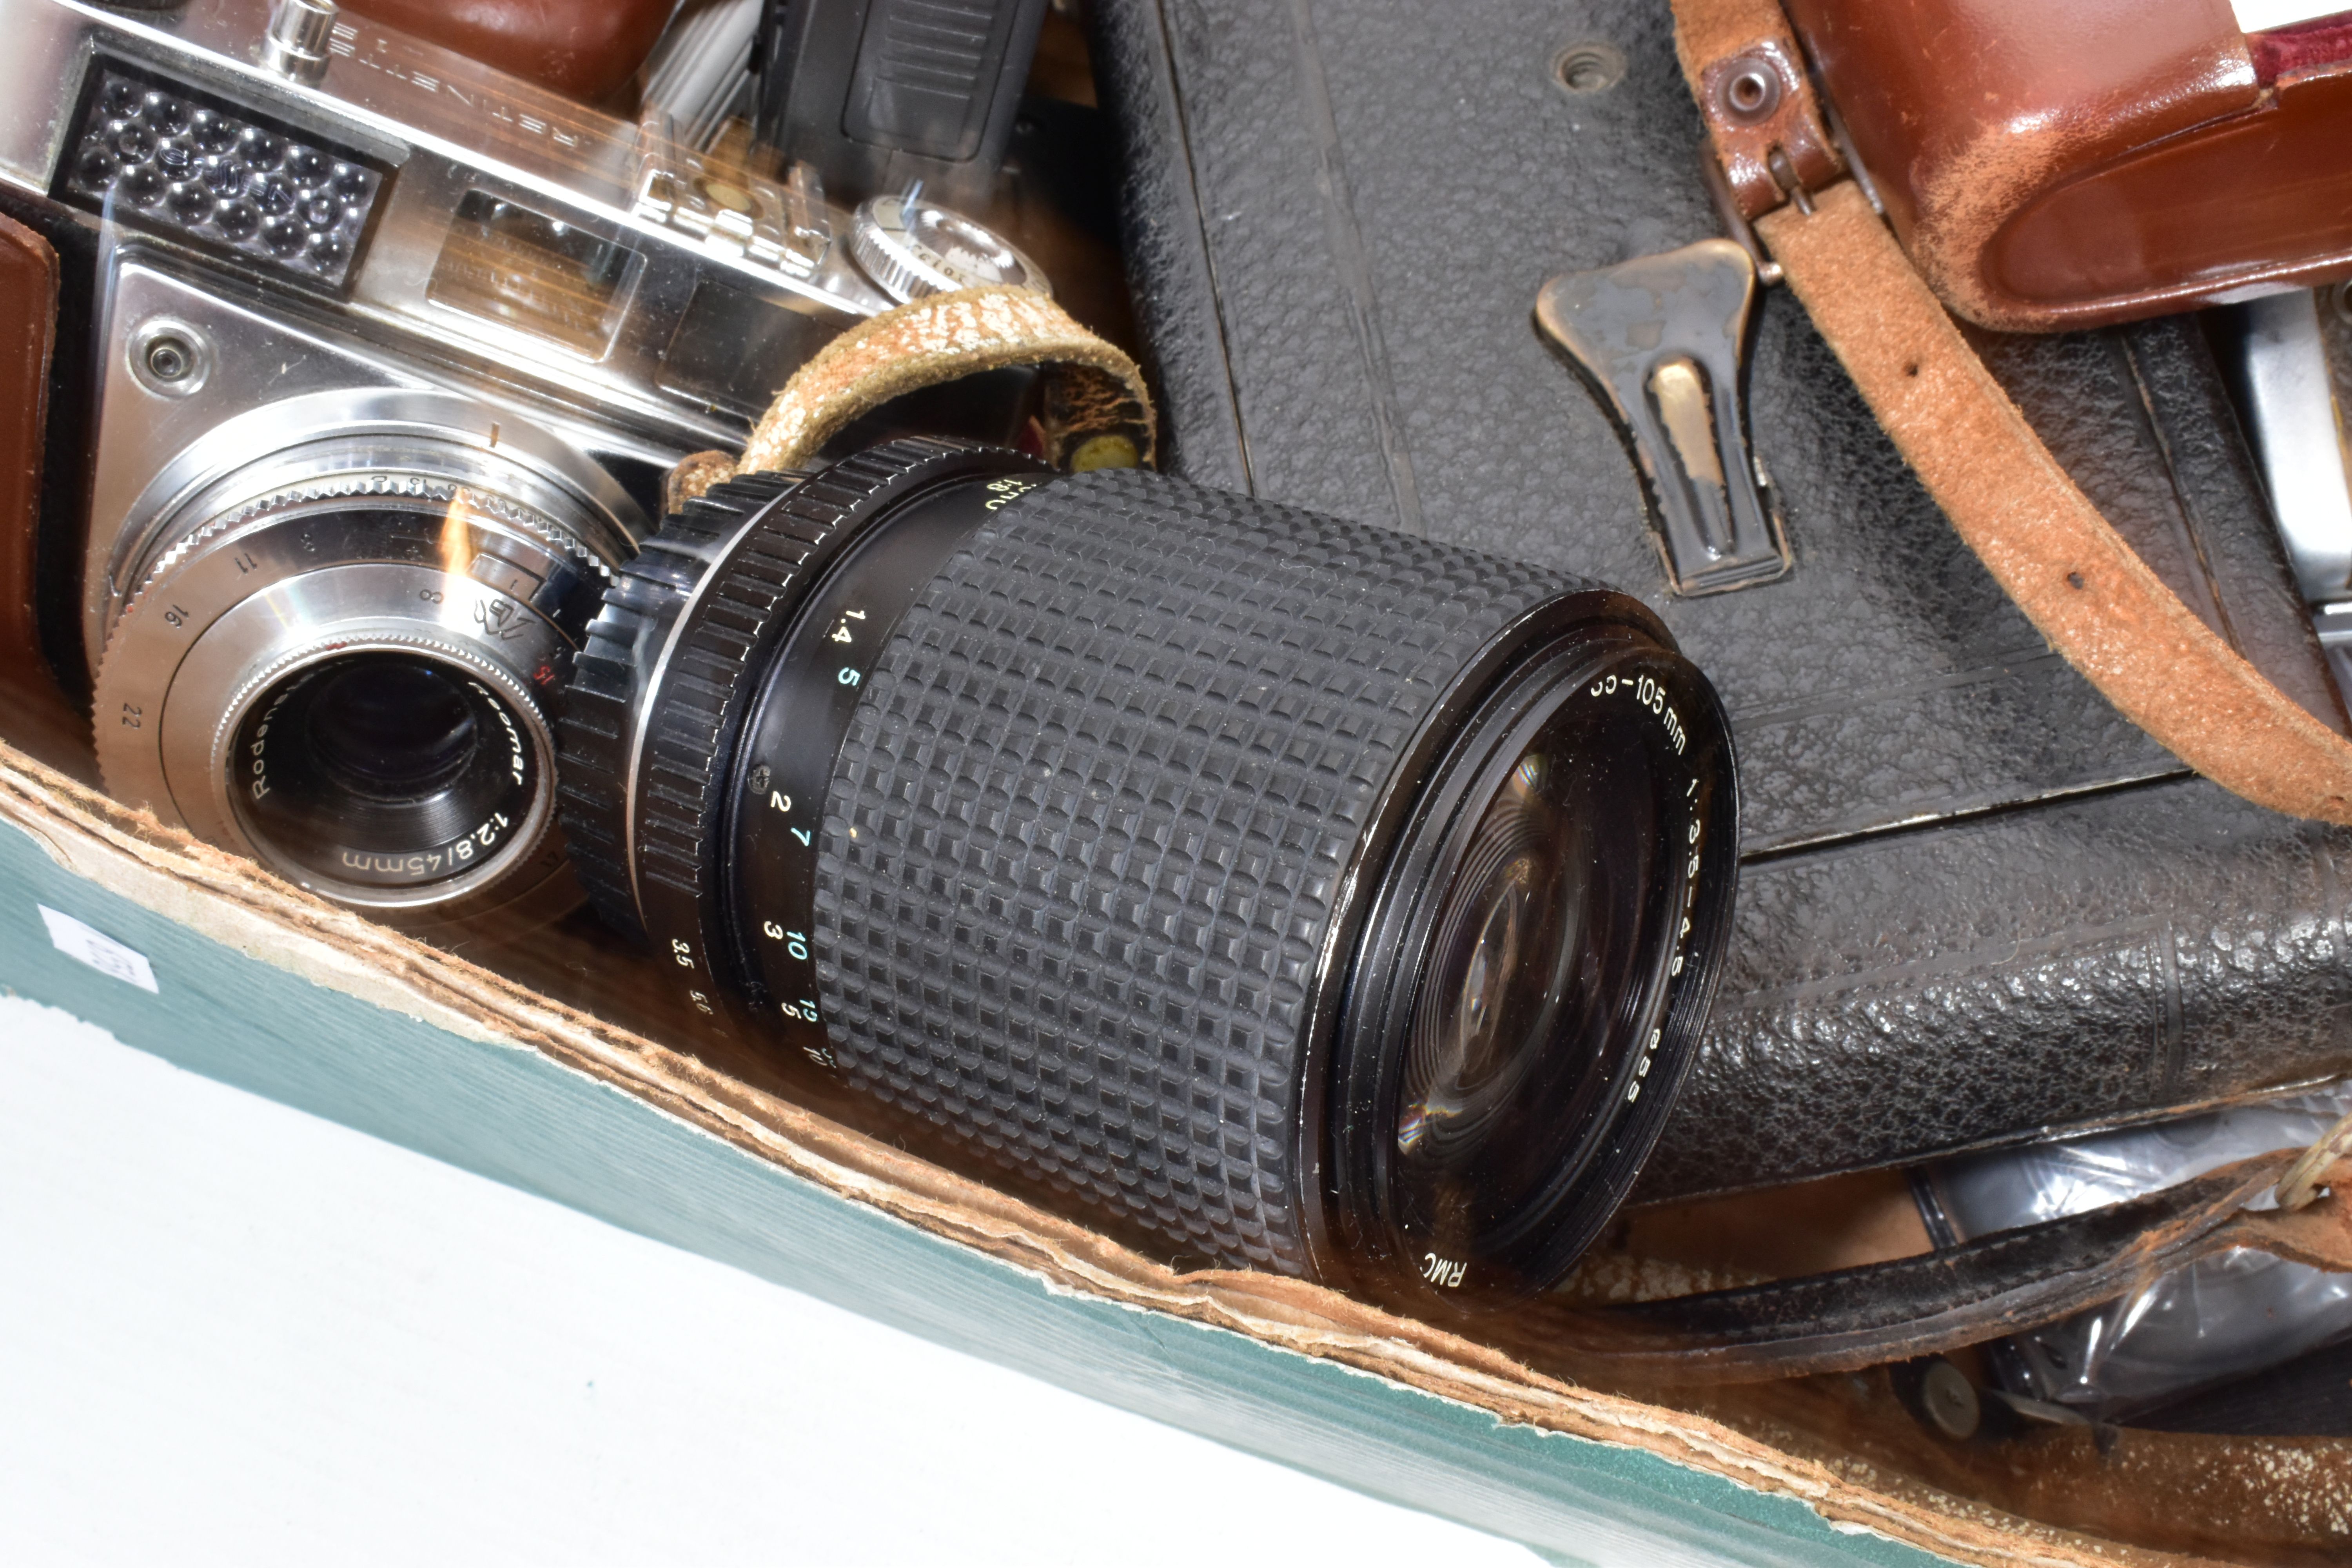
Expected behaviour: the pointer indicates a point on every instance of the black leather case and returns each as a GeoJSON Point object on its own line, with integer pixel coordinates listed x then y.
{"type": "Point", "coordinates": [1977, 903]}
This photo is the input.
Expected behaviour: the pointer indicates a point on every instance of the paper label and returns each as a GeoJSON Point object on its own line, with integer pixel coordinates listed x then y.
{"type": "Point", "coordinates": [97, 950]}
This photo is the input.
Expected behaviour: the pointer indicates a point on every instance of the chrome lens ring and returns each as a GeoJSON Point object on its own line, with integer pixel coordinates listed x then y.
{"type": "Point", "coordinates": [445, 871]}
{"type": "Point", "coordinates": [352, 561]}
{"type": "Point", "coordinates": [360, 435]}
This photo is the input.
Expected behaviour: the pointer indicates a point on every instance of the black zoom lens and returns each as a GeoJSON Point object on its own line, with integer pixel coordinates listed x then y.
{"type": "Point", "coordinates": [1316, 897]}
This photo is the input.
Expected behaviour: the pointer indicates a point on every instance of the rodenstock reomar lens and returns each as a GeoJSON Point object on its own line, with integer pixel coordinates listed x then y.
{"type": "Point", "coordinates": [337, 650]}
{"type": "Point", "coordinates": [1321, 899]}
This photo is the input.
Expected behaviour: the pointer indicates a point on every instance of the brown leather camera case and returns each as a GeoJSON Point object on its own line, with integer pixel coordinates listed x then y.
{"type": "Point", "coordinates": [28, 319]}
{"type": "Point", "coordinates": [2055, 164]}
{"type": "Point", "coordinates": [582, 49]}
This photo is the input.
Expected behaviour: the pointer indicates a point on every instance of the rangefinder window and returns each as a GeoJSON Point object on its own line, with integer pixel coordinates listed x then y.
{"type": "Point", "coordinates": [151, 154]}
{"type": "Point", "coordinates": [537, 274]}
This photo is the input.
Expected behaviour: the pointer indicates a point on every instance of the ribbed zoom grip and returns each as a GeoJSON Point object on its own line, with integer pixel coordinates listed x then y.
{"type": "Point", "coordinates": [623, 648]}
{"type": "Point", "coordinates": [1088, 832]}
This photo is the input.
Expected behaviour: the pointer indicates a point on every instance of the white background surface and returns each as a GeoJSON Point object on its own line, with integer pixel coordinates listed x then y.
{"type": "Point", "coordinates": [2260, 16]}
{"type": "Point", "coordinates": [232, 1332]}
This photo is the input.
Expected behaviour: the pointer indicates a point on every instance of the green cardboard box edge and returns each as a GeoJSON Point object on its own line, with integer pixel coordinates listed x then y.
{"type": "Point", "coordinates": [507, 1111]}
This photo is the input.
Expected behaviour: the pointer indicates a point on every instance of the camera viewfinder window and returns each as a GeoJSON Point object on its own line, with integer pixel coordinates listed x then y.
{"type": "Point", "coordinates": [540, 275]}
{"type": "Point", "coordinates": [158, 157]}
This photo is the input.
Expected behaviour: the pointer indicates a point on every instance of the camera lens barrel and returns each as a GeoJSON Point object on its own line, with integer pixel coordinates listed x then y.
{"type": "Point", "coordinates": [1316, 897]}
{"type": "Point", "coordinates": [339, 652]}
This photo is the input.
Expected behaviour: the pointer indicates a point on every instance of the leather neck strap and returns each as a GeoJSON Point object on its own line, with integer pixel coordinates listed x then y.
{"type": "Point", "coordinates": [2048, 546]}
{"type": "Point", "coordinates": [1096, 412]}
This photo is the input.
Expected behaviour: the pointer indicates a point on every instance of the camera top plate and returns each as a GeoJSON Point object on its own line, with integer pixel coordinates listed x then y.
{"type": "Point", "coordinates": [420, 196]}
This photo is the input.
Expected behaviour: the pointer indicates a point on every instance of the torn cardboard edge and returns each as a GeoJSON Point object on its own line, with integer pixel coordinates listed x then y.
{"type": "Point", "coordinates": [239, 905]}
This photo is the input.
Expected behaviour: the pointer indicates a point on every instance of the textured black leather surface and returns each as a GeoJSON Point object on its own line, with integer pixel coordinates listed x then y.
{"type": "Point", "coordinates": [1096, 806]}
{"type": "Point", "coordinates": [1337, 219]}
{"type": "Point", "coordinates": [2141, 420]}
{"type": "Point", "coordinates": [2076, 964]}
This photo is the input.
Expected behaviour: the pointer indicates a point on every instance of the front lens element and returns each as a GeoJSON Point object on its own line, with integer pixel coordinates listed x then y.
{"type": "Point", "coordinates": [1521, 1022]}
{"type": "Point", "coordinates": [1526, 990]}
{"type": "Point", "coordinates": [393, 730]}
{"type": "Point", "coordinates": [389, 770]}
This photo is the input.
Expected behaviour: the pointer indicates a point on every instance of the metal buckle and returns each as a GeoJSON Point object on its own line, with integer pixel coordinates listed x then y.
{"type": "Point", "coordinates": [1663, 339]}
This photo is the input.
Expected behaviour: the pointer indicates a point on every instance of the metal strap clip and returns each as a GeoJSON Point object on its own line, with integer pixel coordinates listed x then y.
{"type": "Point", "coordinates": [1662, 339]}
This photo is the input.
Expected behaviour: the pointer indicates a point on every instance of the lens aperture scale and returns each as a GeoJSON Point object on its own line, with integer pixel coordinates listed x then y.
{"type": "Point", "coordinates": [787, 758]}
{"type": "Point", "coordinates": [671, 671]}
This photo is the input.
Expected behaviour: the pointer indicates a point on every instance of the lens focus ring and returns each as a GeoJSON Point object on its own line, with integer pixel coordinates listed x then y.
{"type": "Point", "coordinates": [1097, 815]}
{"type": "Point", "coordinates": [643, 798]}
{"type": "Point", "coordinates": [615, 662]}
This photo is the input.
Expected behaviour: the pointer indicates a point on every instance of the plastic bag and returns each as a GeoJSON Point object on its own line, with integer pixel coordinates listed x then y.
{"type": "Point", "coordinates": [2221, 1317]}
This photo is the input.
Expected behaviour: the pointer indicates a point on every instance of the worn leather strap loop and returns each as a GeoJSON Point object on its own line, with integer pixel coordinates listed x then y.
{"type": "Point", "coordinates": [1748, 75]}
{"type": "Point", "coordinates": [2049, 547]}
{"type": "Point", "coordinates": [1936, 1302]}
{"type": "Point", "coordinates": [1095, 396]}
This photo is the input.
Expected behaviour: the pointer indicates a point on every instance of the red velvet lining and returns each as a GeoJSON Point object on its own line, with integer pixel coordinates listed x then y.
{"type": "Point", "coordinates": [2319, 44]}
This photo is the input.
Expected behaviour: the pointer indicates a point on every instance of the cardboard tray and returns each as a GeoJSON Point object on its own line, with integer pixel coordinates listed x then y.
{"type": "Point", "coordinates": [265, 988]}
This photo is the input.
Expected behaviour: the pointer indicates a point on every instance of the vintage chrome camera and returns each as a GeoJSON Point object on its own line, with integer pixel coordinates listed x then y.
{"type": "Point", "coordinates": [388, 354]}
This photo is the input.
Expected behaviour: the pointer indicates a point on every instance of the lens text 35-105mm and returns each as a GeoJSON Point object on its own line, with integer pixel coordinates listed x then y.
{"type": "Point", "coordinates": [1318, 899]}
